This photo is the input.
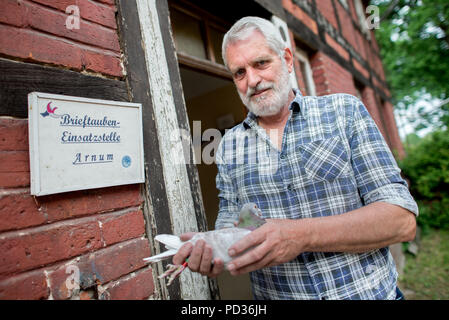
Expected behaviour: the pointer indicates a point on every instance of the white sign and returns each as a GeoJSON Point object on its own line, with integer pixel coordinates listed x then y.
{"type": "Point", "coordinates": [78, 143]}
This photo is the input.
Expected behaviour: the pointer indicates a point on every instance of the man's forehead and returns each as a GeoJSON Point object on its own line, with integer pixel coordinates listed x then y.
{"type": "Point", "coordinates": [252, 48]}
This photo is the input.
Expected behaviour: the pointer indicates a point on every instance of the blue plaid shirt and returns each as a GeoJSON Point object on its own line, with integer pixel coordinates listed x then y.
{"type": "Point", "coordinates": [333, 160]}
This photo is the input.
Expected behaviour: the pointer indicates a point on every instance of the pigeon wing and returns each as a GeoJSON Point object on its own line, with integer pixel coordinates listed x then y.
{"type": "Point", "coordinates": [170, 241]}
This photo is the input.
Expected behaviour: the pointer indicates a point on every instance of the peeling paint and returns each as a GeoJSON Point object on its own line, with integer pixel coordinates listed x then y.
{"type": "Point", "coordinates": [193, 286]}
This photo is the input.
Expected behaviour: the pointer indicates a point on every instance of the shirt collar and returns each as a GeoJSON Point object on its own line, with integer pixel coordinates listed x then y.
{"type": "Point", "coordinates": [295, 106]}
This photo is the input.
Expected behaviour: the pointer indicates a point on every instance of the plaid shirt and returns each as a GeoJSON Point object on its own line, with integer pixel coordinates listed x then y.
{"type": "Point", "coordinates": [333, 160]}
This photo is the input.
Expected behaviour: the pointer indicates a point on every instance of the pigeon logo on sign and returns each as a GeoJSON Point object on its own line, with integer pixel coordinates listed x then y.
{"type": "Point", "coordinates": [50, 112]}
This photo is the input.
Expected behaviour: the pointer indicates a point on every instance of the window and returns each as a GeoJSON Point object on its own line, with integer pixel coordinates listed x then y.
{"type": "Point", "coordinates": [198, 38]}
{"type": "Point", "coordinates": [188, 34]}
{"type": "Point", "coordinates": [305, 77]}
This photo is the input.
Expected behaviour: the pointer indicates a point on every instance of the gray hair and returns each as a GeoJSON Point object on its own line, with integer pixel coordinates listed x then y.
{"type": "Point", "coordinates": [243, 28]}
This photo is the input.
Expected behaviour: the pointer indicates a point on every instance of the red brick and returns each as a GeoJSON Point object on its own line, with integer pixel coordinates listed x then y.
{"type": "Point", "coordinates": [110, 2]}
{"type": "Point", "coordinates": [13, 134]}
{"type": "Point", "coordinates": [19, 210]}
{"type": "Point", "coordinates": [13, 13]}
{"type": "Point", "coordinates": [14, 179]}
{"type": "Point", "coordinates": [326, 8]}
{"type": "Point", "coordinates": [353, 11]}
{"type": "Point", "coordinates": [360, 68]}
{"type": "Point", "coordinates": [92, 11]}
{"type": "Point", "coordinates": [300, 15]}
{"type": "Point", "coordinates": [83, 202]}
{"type": "Point", "coordinates": [340, 80]}
{"type": "Point", "coordinates": [374, 43]}
{"type": "Point", "coordinates": [379, 69]}
{"type": "Point", "coordinates": [377, 83]}
{"type": "Point", "coordinates": [102, 62]}
{"type": "Point", "coordinates": [137, 286]}
{"type": "Point", "coordinates": [14, 161]}
{"type": "Point", "coordinates": [118, 227]}
{"type": "Point", "coordinates": [392, 129]}
{"type": "Point", "coordinates": [359, 38]}
{"type": "Point", "coordinates": [27, 249]}
{"type": "Point", "coordinates": [347, 26]}
{"type": "Point", "coordinates": [330, 77]}
{"type": "Point", "coordinates": [27, 286]}
{"type": "Point", "coordinates": [14, 169]}
{"type": "Point", "coordinates": [100, 267]}
{"type": "Point", "coordinates": [337, 47]}
{"type": "Point", "coordinates": [34, 46]}
{"type": "Point", "coordinates": [371, 103]}
{"type": "Point", "coordinates": [54, 22]}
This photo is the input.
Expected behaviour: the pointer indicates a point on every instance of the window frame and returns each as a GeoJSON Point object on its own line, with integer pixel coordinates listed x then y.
{"type": "Point", "coordinates": [206, 21]}
{"type": "Point", "coordinates": [309, 82]}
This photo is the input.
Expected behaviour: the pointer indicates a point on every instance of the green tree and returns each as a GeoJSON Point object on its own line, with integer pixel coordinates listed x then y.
{"type": "Point", "coordinates": [427, 168]}
{"type": "Point", "coordinates": [414, 41]}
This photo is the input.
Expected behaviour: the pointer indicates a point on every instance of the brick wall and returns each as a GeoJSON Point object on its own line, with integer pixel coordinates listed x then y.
{"type": "Point", "coordinates": [100, 231]}
{"type": "Point", "coordinates": [96, 237]}
{"type": "Point", "coordinates": [330, 77]}
{"type": "Point", "coordinates": [36, 31]}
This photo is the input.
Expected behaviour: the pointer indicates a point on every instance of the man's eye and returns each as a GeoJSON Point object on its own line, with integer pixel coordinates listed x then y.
{"type": "Point", "coordinates": [239, 73]}
{"type": "Point", "coordinates": [262, 63]}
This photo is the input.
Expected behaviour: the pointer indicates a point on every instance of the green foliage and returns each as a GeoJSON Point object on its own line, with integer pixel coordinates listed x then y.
{"type": "Point", "coordinates": [427, 168]}
{"type": "Point", "coordinates": [414, 42]}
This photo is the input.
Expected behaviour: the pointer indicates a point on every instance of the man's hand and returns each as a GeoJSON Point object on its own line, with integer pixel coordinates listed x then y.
{"type": "Point", "coordinates": [274, 243]}
{"type": "Point", "coordinates": [200, 257]}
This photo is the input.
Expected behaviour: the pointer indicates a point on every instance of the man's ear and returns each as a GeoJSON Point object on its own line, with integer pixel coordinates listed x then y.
{"type": "Point", "coordinates": [288, 56]}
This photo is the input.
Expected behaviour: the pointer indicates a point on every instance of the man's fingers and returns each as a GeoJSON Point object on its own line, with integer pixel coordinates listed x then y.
{"type": "Point", "coordinates": [195, 256]}
{"type": "Point", "coordinates": [253, 256]}
{"type": "Point", "coordinates": [206, 260]}
{"type": "Point", "coordinates": [254, 238]}
{"type": "Point", "coordinates": [265, 262]}
{"type": "Point", "coordinates": [183, 253]}
{"type": "Point", "coordinates": [217, 268]}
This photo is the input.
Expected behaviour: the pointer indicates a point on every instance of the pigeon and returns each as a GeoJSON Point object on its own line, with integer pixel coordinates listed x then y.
{"type": "Point", "coordinates": [250, 218]}
{"type": "Point", "coordinates": [49, 111]}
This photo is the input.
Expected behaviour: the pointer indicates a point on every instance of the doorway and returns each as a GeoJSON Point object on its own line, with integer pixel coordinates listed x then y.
{"type": "Point", "coordinates": [212, 102]}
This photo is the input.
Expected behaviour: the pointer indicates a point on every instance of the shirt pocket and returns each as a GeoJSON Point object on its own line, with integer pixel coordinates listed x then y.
{"type": "Point", "coordinates": [324, 160]}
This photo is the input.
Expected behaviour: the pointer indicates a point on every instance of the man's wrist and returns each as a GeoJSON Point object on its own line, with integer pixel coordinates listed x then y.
{"type": "Point", "coordinates": [301, 234]}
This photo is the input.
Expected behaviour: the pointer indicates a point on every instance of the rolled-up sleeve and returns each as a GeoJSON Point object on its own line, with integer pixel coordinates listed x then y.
{"type": "Point", "coordinates": [376, 171]}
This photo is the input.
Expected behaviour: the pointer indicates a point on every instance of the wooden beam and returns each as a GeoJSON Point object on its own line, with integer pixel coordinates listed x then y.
{"type": "Point", "coordinates": [273, 6]}
{"type": "Point", "coordinates": [156, 207]}
{"type": "Point", "coordinates": [17, 79]}
{"type": "Point", "coordinates": [183, 120]}
{"type": "Point", "coordinates": [214, 69]}
{"type": "Point", "coordinates": [143, 43]}
{"type": "Point", "coordinates": [170, 136]}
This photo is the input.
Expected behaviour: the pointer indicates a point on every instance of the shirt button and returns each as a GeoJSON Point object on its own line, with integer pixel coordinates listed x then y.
{"type": "Point", "coordinates": [289, 187]}
{"type": "Point", "coordinates": [282, 156]}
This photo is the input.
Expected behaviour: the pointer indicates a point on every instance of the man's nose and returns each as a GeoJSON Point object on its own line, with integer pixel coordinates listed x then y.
{"type": "Point", "coordinates": [253, 78]}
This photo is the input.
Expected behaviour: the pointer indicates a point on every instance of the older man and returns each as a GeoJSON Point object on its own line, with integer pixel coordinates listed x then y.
{"type": "Point", "coordinates": [331, 189]}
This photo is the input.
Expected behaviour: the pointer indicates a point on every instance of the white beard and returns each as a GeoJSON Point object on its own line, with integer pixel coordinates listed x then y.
{"type": "Point", "coordinates": [271, 102]}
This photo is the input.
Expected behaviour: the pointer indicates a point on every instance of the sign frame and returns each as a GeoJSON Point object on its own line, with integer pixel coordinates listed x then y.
{"type": "Point", "coordinates": [38, 184]}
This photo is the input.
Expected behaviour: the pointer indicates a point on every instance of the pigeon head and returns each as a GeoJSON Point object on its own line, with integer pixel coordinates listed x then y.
{"type": "Point", "coordinates": [250, 217]}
